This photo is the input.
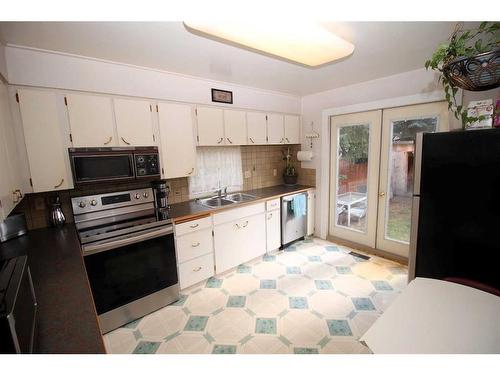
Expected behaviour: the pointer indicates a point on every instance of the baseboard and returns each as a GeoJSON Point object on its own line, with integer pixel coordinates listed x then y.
{"type": "Point", "coordinates": [368, 249]}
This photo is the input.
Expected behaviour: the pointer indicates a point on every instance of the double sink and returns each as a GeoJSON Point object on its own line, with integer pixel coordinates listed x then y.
{"type": "Point", "coordinates": [226, 200]}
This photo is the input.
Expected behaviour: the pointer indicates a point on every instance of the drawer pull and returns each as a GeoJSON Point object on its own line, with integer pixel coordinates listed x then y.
{"type": "Point", "coordinates": [195, 244]}
{"type": "Point", "coordinates": [242, 225]}
{"type": "Point", "coordinates": [193, 226]}
{"type": "Point", "coordinates": [197, 269]}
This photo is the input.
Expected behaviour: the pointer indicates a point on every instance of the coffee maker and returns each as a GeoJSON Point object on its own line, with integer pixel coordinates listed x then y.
{"type": "Point", "coordinates": [160, 192]}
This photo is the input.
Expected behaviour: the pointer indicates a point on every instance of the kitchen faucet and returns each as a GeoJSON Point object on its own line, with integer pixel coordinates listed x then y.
{"type": "Point", "coordinates": [221, 192]}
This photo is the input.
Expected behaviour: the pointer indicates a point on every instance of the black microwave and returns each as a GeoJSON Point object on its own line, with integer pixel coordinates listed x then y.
{"type": "Point", "coordinates": [114, 164]}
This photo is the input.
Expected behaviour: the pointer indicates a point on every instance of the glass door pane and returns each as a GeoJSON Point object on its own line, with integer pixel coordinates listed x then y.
{"type": "Point", "coordinates": [355, 157]}
{"type": "Point", "coordinates": [352, 176]}
{"type": "Point", "coordinates": [399, 129]}
{"type": "Point", "coordinates": [400, 182]}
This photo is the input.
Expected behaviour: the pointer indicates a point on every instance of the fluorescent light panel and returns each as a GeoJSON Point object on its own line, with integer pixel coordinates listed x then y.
{"type": "Point", "coordinates": [307, 43]}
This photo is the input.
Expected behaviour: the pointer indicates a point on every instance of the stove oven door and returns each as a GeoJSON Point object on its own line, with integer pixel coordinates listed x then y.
{"type": "Point", "coordinates": [132, 276]}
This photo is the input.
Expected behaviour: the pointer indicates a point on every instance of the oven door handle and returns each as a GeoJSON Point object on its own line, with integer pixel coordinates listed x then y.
{"type": "Point", "coordinates": [99, 248]}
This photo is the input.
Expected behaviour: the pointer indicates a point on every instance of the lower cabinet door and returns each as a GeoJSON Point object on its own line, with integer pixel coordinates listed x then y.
{"type": "Point", "coordinates": [273, 230]}
{"type": "Point", "coordinates": [196, 270]}
{"type": "Point", "coordinates": [239, 241]}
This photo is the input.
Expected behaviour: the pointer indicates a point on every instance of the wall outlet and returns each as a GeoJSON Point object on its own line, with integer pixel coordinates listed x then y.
{"type": "Point", "coordinates": [248, 174]}
{"type": "Point", "coordinates": [275, 172]}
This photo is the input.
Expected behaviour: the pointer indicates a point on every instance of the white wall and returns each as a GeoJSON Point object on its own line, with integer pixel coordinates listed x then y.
{"type": "Point", "coordinates": [53, 70]}
{"type": "Point", "coordinates": [416, 82]}
{"type": "Point", "coordinates": [3, 63]}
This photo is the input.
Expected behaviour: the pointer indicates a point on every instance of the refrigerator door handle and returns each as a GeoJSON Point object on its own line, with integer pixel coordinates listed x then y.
{"type": "Point", "coordinates": [412, 256]}
{"type": "Point", "coordinates": [418, 163]}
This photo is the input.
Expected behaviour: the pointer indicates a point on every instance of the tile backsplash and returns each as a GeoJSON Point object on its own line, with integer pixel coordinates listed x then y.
{"type": "Point", "coordinates": [259, 164]}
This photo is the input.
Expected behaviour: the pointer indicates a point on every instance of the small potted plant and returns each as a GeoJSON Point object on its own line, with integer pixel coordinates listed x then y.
{"type": "Point", "coordinates": [290, 175]}
{"type": "Point", "coordinates": [470, 60]}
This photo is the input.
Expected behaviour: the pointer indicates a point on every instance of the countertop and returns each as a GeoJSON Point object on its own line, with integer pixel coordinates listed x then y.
{"type": "Point", "coordinates": [67, 321]}
{"type": "Point", "coordinates": [191, 209]}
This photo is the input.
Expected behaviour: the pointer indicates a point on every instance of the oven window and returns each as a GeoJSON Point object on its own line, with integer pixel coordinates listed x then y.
{"type": "Point", "coordinates": [89, 168]}
{"type": "Point", "coordinates": [125, 274]}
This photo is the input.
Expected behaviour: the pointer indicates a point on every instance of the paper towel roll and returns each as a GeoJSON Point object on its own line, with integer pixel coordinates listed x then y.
{"type": "Point", "coordinates": [305, 155]}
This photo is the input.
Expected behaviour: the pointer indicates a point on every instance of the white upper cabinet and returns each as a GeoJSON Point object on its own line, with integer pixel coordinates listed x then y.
{"type": "Point", "coordinates": [275, 129]}
{"type": "Point", "coordinates": [235, 127]}
{"type": "Point", "coordinates": [91, 120]}
{"type": "Point", "coordinates": [134, 122]}
{"type": "Point", "coordinates": [210, 126]}
{"type": "Point", "coordinates": [177, 144]}
{"type": "Point", "coordinates": [45, 141]}
{"type": "Point", "coordinates": [292, 129]}
{"type": "Point", "coordinates": [256, 128]}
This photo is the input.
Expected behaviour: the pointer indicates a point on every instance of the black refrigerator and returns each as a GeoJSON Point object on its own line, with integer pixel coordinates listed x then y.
{"type": "Point", "coordinates": [456, 206]}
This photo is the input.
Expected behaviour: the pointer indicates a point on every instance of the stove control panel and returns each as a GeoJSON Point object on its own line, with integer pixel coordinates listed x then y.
{"type": "Point", "coordinates": [95, 203]}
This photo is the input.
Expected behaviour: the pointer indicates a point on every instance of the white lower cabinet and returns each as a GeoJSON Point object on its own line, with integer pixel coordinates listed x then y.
{"type": "Point", "coordinates": [195, 251]}
{"type": "Point", "coordinates": [195, 270]}
{"type": "Point", "coordinates": [273, 230]}
{"type": "Point", "coordinates": [239, 239]}
{"type": "Point", "coordinates": [311, 201]}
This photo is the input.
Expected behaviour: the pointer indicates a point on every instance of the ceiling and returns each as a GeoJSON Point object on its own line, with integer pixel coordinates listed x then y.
{"type": "Point", "coordinates": [382, 49]}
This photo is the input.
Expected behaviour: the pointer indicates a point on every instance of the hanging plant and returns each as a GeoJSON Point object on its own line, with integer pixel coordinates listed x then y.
{"type": "Point", "coordinates": [471, 61]}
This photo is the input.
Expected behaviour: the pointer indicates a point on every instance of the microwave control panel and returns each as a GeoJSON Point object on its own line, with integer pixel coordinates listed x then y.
{"type": "Point", "coordinates": [146, 165]}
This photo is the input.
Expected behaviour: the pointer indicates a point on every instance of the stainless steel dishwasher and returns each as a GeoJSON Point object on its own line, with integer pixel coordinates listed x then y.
{"type": "Point", "coordinates": [293, 217]}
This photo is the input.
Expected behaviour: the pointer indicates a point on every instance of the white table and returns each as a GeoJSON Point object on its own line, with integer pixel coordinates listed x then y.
{"type": "Point", "coordinates": [435, 316]}
{"type": "Point", "coordinates": [349, 199]}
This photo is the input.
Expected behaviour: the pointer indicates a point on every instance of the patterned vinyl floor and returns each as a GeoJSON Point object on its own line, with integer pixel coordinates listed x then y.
{"type": "Point", "coordinates": [314, 297]}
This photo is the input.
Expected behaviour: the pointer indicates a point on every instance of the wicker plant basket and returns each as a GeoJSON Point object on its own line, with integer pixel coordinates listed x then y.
{"type": "Point", "coordinates": [476, 73]}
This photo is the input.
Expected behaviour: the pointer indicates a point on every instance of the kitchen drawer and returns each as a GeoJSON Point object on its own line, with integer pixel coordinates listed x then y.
{"type": "Point", "coordinates": [238, 213]}
{"type": "Point", "coordinates": [196, 270]}
{"type": "Point", "coordinates": [194, 244]}
{"type": "Point", "coordinates": [193, 225]}
{"type": "Point", "coordinates": [273, 204]}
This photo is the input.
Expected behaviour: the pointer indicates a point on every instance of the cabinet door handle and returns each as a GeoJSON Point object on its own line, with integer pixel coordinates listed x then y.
{"type": "Point", "coordinates": [197, 269]}
{"type": "Point", "coordinates": [282, 140]}
{"type": "Point", "coordinates": [109, 141]}
{"type": "Point", "coordinates": [124, 141]}
{"type": "Point", "coordinates": [15, 197]}
{"type": "Point", "coordinates": [288, 141]}
{"type": "Point", "coordinates": [251, 140]}
{"type": "Point", "coordinates": [19, 194]}
{"type": "Point", "coordinates": [195, 244]}
{"type": "Point", "coordinates": [270, 216]}
{"type": "Point", "coordinates": [245, 225]}
{"type": "Point", "coordinates": [59, 184]}
{"type": "Point", "coordinates": [220, 141]}
{"type": "Point", "coordinates": [194, 225]}
{"type": "Point", "coordinates": [192, 170]}
{"type": "Point", "coordinates": [229, 140]}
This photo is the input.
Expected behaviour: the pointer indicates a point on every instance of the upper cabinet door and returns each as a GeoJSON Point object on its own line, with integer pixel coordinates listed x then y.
{"type": "Point", "coordinates": [275, 129]}
{"type": "Point", "coordinates": [210, 126]}
{"type": "Point", "coordinates": [235, 127]}
{"type": "Point", "coordinates": [46, 147]}
{"type": "Point", "coordinates": [256, 128]}
{"type": "Point", "coordinates": [178, 148]}
{"type": "Point", "coordinates": [292, 129]}
{"type": "Point", "coordinates": [91, 120]}
{"type": "Point", "coordinates": [134, 122]}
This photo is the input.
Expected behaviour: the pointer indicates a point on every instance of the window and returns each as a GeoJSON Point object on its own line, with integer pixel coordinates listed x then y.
{"type": "Point", "coordinates": [217, 167]}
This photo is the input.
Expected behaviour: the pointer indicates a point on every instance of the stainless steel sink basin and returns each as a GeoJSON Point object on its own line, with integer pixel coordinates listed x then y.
{"type": "Point", "coordinates": [215, 202]}
{"type": "Point", "coordinates": [240, 197]}
{"type": "Point", "coordinates": [226, 200]}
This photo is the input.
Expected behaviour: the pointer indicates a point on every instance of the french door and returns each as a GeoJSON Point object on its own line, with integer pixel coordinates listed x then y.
{"type": "Point", "coordinates": [371, 182]}
{"type": "Point", "coordinates": [355, 140]}
{"type": "Point", "coordinates": [399, 129]}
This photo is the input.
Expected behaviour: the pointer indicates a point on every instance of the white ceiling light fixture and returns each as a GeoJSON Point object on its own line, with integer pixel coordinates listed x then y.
{"type": "Point", "coordinates": [306, 43]}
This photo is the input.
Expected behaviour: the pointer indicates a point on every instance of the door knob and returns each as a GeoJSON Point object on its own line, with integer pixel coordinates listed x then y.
{"type": "Point", "coordinates": [381, 194]}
